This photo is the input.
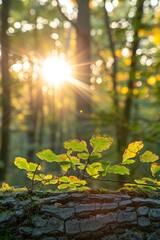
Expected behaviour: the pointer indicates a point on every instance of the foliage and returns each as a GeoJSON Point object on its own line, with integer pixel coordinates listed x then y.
{"type": "Point", "coordinates": [78, 164]}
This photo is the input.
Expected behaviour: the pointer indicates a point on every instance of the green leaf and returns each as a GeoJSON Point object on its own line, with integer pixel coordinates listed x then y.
{"type": "Point", "coordinates": [81, 166]}
{"type": "Point", "coordinates": [37, 177]}
{"type": "Point", "coordinates": [84, 188]}
{"type": "Point", "coordinates": [47, 155]}
{"type": "Point", "coordinates": [83, 156]}
{"type": "Point", "coordinates": [132, 150]}
{"type": "Point", "coordinates": [49, 182]}
{"type": "Point", "coordinates": [100, 143]}
{"type": "Point", "coordinates": [63, 186]}
{"type": "Point", "coordinates": [118, 169]}
{"type": "Point", "coordinates": [33, 167]}
{"type": "Point", "coordinates": [148, 156]}
{"type": "Point", "coordinates": [155, 167]}
{"type": "Point", "coordinates": [64, 179]}
{"type": "Point", "coordinates": [46, 177]}
{"type": "Point", "coordinates": [76, 145]}
{"type": "Point", "coordinates": [128, 161]}
{"type": "Point", "coordinates": [65, 165]}
{"type": "Point", "coordinates": [93, 169]}
{"type": "Point", "coordinates": [21, 163]}
{"type": "Point", "coordinates": [147, 181]}
{"type": "Point", "coordinates": [95, 155]}
{"type": "Point", "coordinates": [74, 160]}
{"type": "Point", "coordinates": [105, 165]}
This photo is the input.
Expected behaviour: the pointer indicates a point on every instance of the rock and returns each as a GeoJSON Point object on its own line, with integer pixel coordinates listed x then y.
{"type": "Point", "coordinates": [48, 238]}
{"type": "Point", "coordinates": [127, 217]}
{"type": "Point", "coordinates": [10, 201]}
{"type": "Point", "coordinates": [144, 222]}
{"type": "Point", "coordinates": [108, 218]}
{"type": "Point", "coordinates": [147, 200]}
{"type": "Point", "coordinates": [110, 237]}
{"type": "Point", "coordinates": [131, 236]}
{"type": "Point", "coordinates": [53, 225]}
{"type": "Point", "coordinates": [25, 230]}
{"type": "Point", "coordinates": [39, 222]}
{"type": "Point", "coordinates": [153, 236]}
{"type": "Point", "coordinates": [87, 207]}
{"type": "Point", "coordinates": [63, 213]}
{"type": "Point", "coordinates": [4, 217]}
{"type": "Point", "coordinates": [91, 225]}
{"type": "Point", "coordinates": [19, 213]}
{"type": "Point", "coordinates": [25, 202]}
{"type": "Point", "coordinates": [125, 203]}
{"type": "Point", "coordinates": [72, 226]}
{"type": "Point", "coordinates": [154, 213]}
{"type": "Point", "coordinates": [109, 206]}
{"type": "Point", "coordinates": [143, 211]}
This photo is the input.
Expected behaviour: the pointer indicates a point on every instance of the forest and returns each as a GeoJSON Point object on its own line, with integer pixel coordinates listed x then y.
{"type": "Point", "coordinates": [71, 69]}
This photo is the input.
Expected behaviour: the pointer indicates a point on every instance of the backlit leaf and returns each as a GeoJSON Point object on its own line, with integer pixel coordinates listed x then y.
{"type": "Point", "coordinates": [147, 181]}
{"type": "Point", "coordinates": [33, 167]}
{"type": "Point", "coordinates": [84, 188]}
{"type": "Point", "coordinates": [63, 186]}
{"type": "Point", "coordinates": [76, 145]}
{"type": "Point", "coordinates": [47, 155]}
{"type": "Point", "coordinates": [148, 156]}
{"type": "Point", "coordinates": [100, 143]}
{"type": "Point", "coordinates": [83, 156]}
{"type": "Point", "coordinates": [93, 169]}
{"type": "Point", "coordinates": [118, 169]}
{"type": "Point", "coordinates": [95, 155]}
{"type": "Point", "coordinates": [74, 160]}
{"type": "Point", "coordinates": [65, 165]}
{"type": "Point", "coordinates": [132, 150]}
{"type": "Point", "coordinates": [155, 167]}
{"type": "Point", "coordinates": [64, 179]}
{"type": "Point", "coordinates": [5, 185]}
{"type": "Point", "coordinates": [49, 182]}
{"type": "Point", "coordinates": [128, 161]}
{"type": "Point", "coordinates": [37, 177]}
{"type": "Point", "coordinates": [21, 163]}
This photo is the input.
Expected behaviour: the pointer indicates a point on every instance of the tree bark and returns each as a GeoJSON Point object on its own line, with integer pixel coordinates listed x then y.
{"type": "Point", "coordinates": [112, 216]}
{"type": "Point", "coordinates": [6, 107]}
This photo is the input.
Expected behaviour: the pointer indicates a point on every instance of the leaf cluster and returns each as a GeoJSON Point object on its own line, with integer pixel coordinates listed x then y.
{"type": "Point", "coordinates": [78, 164]}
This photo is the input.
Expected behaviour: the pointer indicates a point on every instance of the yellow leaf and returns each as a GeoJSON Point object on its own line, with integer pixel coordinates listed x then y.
{"type": "Point", "coordinates": [132, 150]}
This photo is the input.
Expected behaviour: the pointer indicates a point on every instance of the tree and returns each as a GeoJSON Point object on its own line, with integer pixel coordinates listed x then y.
{"type": "Point", "coordinates": [6, 83]}
{"type": "Point", "coordinates": [83, 58]}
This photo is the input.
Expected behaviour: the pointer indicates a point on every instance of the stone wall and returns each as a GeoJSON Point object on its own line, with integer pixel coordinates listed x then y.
{"type": "Point", "coordinates": [79, 216]}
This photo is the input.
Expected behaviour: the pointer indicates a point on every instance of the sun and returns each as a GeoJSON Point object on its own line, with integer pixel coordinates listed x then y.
{"type": "Point", "coordinates": [56, 71]}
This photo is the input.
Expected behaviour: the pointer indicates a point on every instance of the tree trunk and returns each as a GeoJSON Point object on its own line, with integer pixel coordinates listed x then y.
{"type": "Point", "coordinates": [137, 22]}
{"type": "Point", "coordinates": [112, 216]}
{"type": "Point", "coordinates": [6, 107]}
{"type": "Point", "coordinates": [83, 68]}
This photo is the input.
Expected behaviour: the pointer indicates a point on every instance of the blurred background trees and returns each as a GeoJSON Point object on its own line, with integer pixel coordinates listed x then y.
{"type": "Point", "coordinates": [106, 77]}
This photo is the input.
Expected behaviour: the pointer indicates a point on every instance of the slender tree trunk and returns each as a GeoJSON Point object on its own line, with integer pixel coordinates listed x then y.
{"type": "Point", "coordinates": [129, 99]}
{"type": "Point", "coordinates": [83, 67]}
{"type": "Point", "coordinates": [6, 107]}
{"type": "Point", "coordinates": [114, 81]}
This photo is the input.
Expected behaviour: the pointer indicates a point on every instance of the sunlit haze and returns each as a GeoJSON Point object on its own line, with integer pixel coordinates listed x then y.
{"type": "Point", "coordinates": [56, 71]}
